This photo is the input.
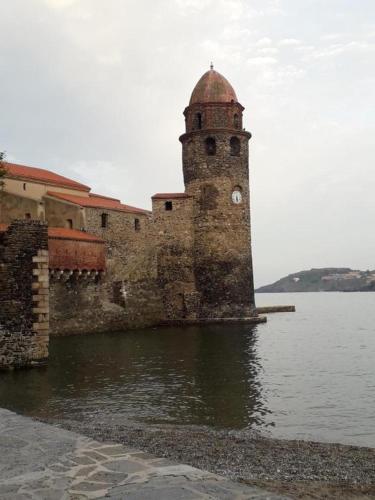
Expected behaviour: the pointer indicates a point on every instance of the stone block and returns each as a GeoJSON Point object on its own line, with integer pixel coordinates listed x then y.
{"type": "Point", "coordinates": [41, 326]}
{"type": "Point", "coordinates": [40, 310]}
{"type": "Point", "coordinates": [40, 298]}
{"type": "Point", "coordinates": [40, 259]}
{"type": "Point", "coordinates": [43, 318]}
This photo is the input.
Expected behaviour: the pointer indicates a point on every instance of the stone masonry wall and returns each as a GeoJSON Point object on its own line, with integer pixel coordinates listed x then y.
{"type": "Point", "coordinates": [174, 238]}
{"type": "Point", "coordinates": [222, 245]}
{"type": "Point", "coordinates": [24, 294]}
{"type": "Point", "coordinates": [127, 295]}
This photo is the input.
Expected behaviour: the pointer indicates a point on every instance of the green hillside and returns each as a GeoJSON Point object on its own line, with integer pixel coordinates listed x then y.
{"type": "Point", "coordinates": [330, 279]}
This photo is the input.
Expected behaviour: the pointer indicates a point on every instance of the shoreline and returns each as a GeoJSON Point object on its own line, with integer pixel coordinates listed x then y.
{"type": "Point", "coordinates": [42, 461]}
{"type": "Point", "coordinates": [300, 469]}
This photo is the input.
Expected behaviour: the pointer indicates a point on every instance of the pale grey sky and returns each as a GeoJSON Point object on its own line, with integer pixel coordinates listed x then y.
{"type": "Point", "coordinates": [95, 89]}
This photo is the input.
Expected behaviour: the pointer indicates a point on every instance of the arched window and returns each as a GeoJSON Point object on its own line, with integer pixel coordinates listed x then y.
{"type": "Point", "coordinates": [24, 186]}
{"type": "Point", "coordinates": [235, 146]}
{"type": "Point", "coordinates": [104, 220]}
{"type": "Point", "coordinates": [236, 121]}
{"type": "Point", "coordinates": [137, 225]}
{"type": "Point", "coordinates": [210, 144]}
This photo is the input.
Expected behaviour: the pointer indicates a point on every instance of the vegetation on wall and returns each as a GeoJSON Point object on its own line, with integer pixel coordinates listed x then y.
{"type": "Point", "coordinates": [2, 168]}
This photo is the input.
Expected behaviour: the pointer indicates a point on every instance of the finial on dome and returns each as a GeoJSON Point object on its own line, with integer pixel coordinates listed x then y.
{"type": "Point", "coordinates": [212, 65]}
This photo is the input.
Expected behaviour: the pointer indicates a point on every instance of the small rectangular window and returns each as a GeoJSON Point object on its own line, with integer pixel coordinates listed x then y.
{"type": "Point", "coordinates": [104, 220]}
{"type": "Point", "coordinates": [27, 216]}
{"type": "Point", "coordinates": [137, 225]}
{"type": "Point", "coordinates": [168, 205]}
{"type": "Point", "coordinates": [69, 223]}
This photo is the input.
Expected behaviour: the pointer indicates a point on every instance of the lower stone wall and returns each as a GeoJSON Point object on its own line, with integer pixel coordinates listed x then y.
{"type": "Point", "coordinates": [81, 304]}
{"type": "Point", "coordinates": [127, 296]}
{"type": "Point", "coordinates": [24, 294]}
{"type": "Point", "coordinates": [173, 228]}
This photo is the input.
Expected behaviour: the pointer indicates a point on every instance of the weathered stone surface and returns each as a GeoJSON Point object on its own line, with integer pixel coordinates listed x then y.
{"type": "Point", "coordinates": [174, 237]}
{"type": "Point", "coordinates": [24, 311]}
{"type": "Point", "coordinates": [215, 164]}
{"type": "Point", "coordinates": [128, 296]}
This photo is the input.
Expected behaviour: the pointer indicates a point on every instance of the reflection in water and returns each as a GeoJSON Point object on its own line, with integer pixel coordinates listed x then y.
{"type": "Point", "coordinates": [309, 375]}
{"type": "Point", "coordinates": [197, 375]}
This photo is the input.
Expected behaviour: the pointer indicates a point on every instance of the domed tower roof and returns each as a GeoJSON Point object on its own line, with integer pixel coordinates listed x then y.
{"type": "Point", "coordinates": [213, 87]}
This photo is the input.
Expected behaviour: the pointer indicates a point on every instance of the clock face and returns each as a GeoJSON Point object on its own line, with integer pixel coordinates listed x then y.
{"type": "Point", "coordinates": [236, 197]}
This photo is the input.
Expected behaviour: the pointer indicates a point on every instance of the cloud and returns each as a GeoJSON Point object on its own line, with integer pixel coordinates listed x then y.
{"type": "Point", "coordinates": [268, 50]}
{"type": "Point", "coordinates": [337, 49]}
{"type": "Point", "coordinates": [287, 42]}
{"type": "Point", "coordinates": [263, 42]}
{"type": "Point", "coordinates": [96, 90]}
{"type": "Point", "coordinates": [261, 61]}
{"type": "Point", "coordinates": [331, 36]}
{"type": "Point", "coordinates": [305, 48]}
{"type": "Point", "coordinates": [60, 4]}
{"type": "Point", "coordinates": [284, 75]}
{"type": "Point", "coordinates": [192, 6]}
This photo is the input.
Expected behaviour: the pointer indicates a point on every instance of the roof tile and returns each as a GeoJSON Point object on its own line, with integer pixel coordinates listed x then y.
{"type": "Point", "coordinates": [65, 234]}
{"type": "Point", "coordinates": [72, 234]}
{"type": "Point", "coordinates": [97, 202]}
{"type": "Point", "coordinates": [43, 176]}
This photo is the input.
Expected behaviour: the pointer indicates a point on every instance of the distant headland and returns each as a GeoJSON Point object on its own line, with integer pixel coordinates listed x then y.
{"type": "Point", "coordinates": [328, 279]}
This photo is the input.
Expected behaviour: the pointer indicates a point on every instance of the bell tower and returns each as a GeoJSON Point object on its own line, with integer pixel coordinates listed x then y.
{"type": "Point", "coordinates": [216, 176]}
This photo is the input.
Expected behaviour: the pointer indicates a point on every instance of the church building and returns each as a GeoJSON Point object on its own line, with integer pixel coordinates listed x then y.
{"type": "Point", "coordinates": [114, 266]}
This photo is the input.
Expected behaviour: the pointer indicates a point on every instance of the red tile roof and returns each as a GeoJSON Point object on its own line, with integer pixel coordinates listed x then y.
{"type": "Point", "coordinates": [97, 202]}
{"type": "Point", "coordinates": [167, 196]}
{"type": "Point", "coordinates": [43, 176]}
{"type": "Point", "coordinates": [102, 196]}
{"type": "Point", "coordinates": [65, 234]}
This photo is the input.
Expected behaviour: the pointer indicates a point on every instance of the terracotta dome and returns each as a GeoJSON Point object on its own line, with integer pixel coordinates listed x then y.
{"type": "Point", "coordinates": [213, 87]}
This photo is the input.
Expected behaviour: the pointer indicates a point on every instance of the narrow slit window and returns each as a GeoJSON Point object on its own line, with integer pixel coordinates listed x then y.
{"type": "Point", "coordinates": [24, 186]}
{"type": "Point", "coordinates": [137, 225]}
{"type": "Point", "coordinates": [197, 121]}
{"type": "Point", "coordinates": [104, 220]}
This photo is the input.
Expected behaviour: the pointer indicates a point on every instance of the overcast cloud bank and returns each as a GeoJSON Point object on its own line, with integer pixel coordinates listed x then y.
{"type": "Point", "coordinates": [95, 90]}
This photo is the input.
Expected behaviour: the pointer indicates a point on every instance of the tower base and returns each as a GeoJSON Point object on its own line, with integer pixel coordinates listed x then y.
{"type": "Point", "coordinates": [205, 321]}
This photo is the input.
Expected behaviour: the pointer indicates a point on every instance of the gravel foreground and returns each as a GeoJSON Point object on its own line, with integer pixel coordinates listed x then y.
{"type": "Point", "coordinates": [300, 469]}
